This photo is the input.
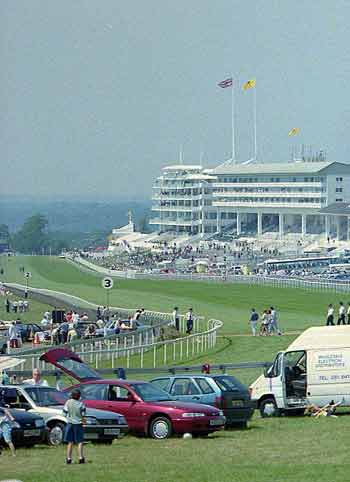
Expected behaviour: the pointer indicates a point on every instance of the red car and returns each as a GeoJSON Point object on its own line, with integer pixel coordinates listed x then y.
{"type": "Point", "coordinates": [147, 409]}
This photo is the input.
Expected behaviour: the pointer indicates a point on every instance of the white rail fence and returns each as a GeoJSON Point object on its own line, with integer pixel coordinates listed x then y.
{"type": "Point", "coordinates": [280, 282]}
{"type": "Point", "coordinates": [111, 354]}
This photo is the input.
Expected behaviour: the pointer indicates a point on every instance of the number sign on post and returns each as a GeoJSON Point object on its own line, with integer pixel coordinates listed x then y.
{"type": "Point", "coordinates": [107, 283]}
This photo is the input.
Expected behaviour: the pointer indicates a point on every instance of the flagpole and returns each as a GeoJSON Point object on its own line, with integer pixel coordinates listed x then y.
{"type": "Point", "coordinates": [255, 138]}
{"type": "Point", "coordinates": [233, 121]}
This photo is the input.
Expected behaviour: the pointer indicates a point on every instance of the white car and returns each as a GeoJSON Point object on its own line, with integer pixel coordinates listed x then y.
{"type": "Point", "coordinates": [100, 426]}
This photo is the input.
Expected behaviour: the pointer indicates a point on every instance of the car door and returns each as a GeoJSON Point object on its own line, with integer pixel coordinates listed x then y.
{"type": "Point", "coordinates": [208, 394]}
{"type": "Point", "coordinates": [122, 400]}
{"type": "Point", "coordinates": [185, 389]}
{"type": "Point", "coordinates": [94, 395]}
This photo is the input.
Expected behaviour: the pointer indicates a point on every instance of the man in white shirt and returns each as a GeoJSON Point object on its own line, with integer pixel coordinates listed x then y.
{"type": "Point", "coordinates": [341, 314]}
{"type": "Point", "coordinates": [330, 315]}
{"type": "Point", "coordinates": [37, 381]}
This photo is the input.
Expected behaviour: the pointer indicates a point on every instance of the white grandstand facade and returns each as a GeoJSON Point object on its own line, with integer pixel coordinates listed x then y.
{"type": "Point", "coordinates": [253, 199]}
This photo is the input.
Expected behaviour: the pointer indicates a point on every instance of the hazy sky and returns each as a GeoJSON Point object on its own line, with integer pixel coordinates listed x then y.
{"type": "Point", "coordinates": [97, 96]}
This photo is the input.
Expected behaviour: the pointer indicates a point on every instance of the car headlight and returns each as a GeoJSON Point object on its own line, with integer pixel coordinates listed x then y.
{"type": "Point", "coordinates": [193, 414]}
{"type": "Point", "coordinates": [39, 423]}
{"type": "Point", "coordinates": [122, 420]}
{"type": "Point", "coordinates": [15, 424]}
{"type": "Point", "coordinates": [90, 421]}
{"type": "Point", "coordinates": [221, 413]}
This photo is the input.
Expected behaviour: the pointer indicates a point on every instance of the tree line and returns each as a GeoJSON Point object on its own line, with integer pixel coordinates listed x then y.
{"type": "Point", "coordinates": [33, 237]}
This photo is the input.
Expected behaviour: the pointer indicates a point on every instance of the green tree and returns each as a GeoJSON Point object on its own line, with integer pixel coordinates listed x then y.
{"type": "Point", "coordinates": [32, 237]}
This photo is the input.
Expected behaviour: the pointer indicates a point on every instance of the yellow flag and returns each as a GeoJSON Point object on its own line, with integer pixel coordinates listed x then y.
{"type": "Point", "coordinates": [294, 131]}
{"type": "Point", "coordinates": [250, 84]}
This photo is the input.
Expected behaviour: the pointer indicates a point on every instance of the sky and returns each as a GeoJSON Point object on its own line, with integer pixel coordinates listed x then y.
{"type": "Point", "coordinates": [97, 96]}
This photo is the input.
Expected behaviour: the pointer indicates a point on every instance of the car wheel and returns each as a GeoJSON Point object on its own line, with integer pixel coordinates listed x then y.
{"type": "Point", "coordinates": [160, 428]}
{"type": "Point", "coordinates": [268, 408]}
{"type": "Point", "coordinates": [56, 433]}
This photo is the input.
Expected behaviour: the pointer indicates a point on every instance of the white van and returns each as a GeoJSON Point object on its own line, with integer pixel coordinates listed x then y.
{"type": "Point", "coordinates": [315, 369]}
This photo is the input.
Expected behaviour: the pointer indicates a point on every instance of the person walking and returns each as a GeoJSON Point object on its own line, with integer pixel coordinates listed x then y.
{"type": "Point", "coordinates": [330, 315]}
{"type": "Point", "coordinates": [189, 321]}
{"type": "Point", "coordinates": [341, 314]}
{"type": "Point", "coordinates": [254, 317]}
{"type": "Point", "coordinates": [75, 412]}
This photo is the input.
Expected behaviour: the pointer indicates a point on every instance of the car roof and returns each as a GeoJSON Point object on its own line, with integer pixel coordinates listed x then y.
{"type": "Point", "coordinates": [201, 375]}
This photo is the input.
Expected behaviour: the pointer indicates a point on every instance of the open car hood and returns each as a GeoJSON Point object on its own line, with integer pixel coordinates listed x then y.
{"type": "Point", "coordinates": [71, 364]}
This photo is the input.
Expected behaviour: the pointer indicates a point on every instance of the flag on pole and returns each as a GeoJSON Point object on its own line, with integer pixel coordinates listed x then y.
{"type": "Point", "coordinates": [250, 84]}
{"type": "Point", "coordinates": [226, 83]}
{"type": "Point", "coordinates": [294, 131]}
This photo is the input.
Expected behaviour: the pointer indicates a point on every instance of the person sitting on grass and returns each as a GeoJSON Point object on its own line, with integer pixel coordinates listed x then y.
{"type": "Point", "coordinates": [6, 420]}
{"type": "Point", "coordinates": [75, 412]}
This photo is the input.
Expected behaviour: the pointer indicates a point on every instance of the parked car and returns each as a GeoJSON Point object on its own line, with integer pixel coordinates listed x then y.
{"type": "Point", "coordinates": [147, 409]}
{"type": "Point", "coordinates": [101, 426]}
{"type": "Point", "coordinates": [28, 429]}
{"type": "Point", "coordinates": [223, 391]}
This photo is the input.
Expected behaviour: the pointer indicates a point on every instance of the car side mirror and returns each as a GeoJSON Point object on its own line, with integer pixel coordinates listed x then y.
{"type": "Point", "coordinates": [131, 398]}
{"type": "Point", "coordinates": [267, 373]}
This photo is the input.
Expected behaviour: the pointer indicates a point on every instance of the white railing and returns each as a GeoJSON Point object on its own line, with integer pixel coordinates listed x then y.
{"type": "Point", "coordinates": [110, 354]}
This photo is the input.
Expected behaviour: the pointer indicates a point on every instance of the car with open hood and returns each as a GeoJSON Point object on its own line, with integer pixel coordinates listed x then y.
{"type": "Point", "coordinates": [100, 426]}
{"type": "Point", "coordinates": [147, 409]}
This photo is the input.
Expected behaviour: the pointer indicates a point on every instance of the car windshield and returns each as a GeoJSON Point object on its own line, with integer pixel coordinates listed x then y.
{"type": "Point", "coordinates": [149, 393]}
{"type": "Point", "coordinates": [229, 384]}
{"type": "Point", "coordinates": [46, 397]}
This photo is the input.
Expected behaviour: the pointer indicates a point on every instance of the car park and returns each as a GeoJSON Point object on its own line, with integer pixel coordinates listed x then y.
{"type": "Point", "coordinates": [222, 391]}
{"type": "Point", "coordinates": [28, 429]}
{"type": "Point", "coordinates": [147, 409]}
{"type": "Point", "coordinates": [100, 426]}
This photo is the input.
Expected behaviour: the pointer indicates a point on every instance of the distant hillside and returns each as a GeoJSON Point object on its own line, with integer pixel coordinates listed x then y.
{"type": "Point", "coordinates": [73, 216]}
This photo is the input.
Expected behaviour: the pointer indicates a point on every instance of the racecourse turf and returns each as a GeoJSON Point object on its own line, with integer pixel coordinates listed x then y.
{"type": "Point", "coordinates": [271, 450]}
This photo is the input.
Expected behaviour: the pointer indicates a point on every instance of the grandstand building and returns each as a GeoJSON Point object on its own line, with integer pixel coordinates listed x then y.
{"type": "Point", "coordinates": [253, 199]}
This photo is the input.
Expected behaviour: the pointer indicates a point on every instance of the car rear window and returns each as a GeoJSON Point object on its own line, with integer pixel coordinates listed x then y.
{"type": "Point", "coordinates": [229, 384]}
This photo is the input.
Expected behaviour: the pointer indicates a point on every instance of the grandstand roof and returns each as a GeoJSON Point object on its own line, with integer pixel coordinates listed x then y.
{"type": "Point", "coordinates": [280, 168]}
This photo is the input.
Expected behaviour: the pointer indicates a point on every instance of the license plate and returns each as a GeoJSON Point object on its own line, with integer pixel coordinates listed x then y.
{"type": "Point", "coordinates": [217, 421]}
{"type": "Point", "coordinates": [31, 433]}
{"type": "Point", "coordinates": [111, 431]}
{"type": "Point", "coordinates": [237, 403]}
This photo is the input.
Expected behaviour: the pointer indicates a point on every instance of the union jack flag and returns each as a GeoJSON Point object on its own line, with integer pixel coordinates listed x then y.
{"type": "Point", "coordinates": [226, 83]}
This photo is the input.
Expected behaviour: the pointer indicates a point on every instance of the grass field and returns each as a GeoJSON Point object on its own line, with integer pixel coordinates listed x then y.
{"type": "Point", "coordinates": [228, 302]}
{"type": "Point", "coordinates": [281, 449]}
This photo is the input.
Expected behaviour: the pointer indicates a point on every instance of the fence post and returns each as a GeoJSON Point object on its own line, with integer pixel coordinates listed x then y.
{"type": "Point", "coordinates": [154, 356]}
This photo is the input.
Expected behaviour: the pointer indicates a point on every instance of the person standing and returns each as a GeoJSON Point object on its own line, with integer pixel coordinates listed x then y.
{"type": "Point", "coordinates": [189, 321]}
{"type": "Point", "coordinates": [75, 412]}
{"type": "Point", "coordinates": [254, 317]}
{"type": "Point", "coordinates": [176, 318]}
{"type": "Point", "coordinates": [330, 315]}
{"type": "Point", "coordinates": [6, 429]}
{"type": "Point", "coordinates": [8, 305]}
{"type": "Point", "coordinates": [273, 326]}
{"type": "Point", "coordinates": [36, 379]}
{"type": "Point", "coordinates": [348, 313]}
{"type": "Point", "coordinates": [341, 314]}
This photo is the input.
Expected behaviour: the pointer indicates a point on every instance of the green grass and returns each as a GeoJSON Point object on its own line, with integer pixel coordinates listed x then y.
{"type": "Point", "coordinates": [229, 302]}
{"type": "Point", "coordinates": [35, 313]}
{"type": "Point", "coordinates": [285, 449]}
